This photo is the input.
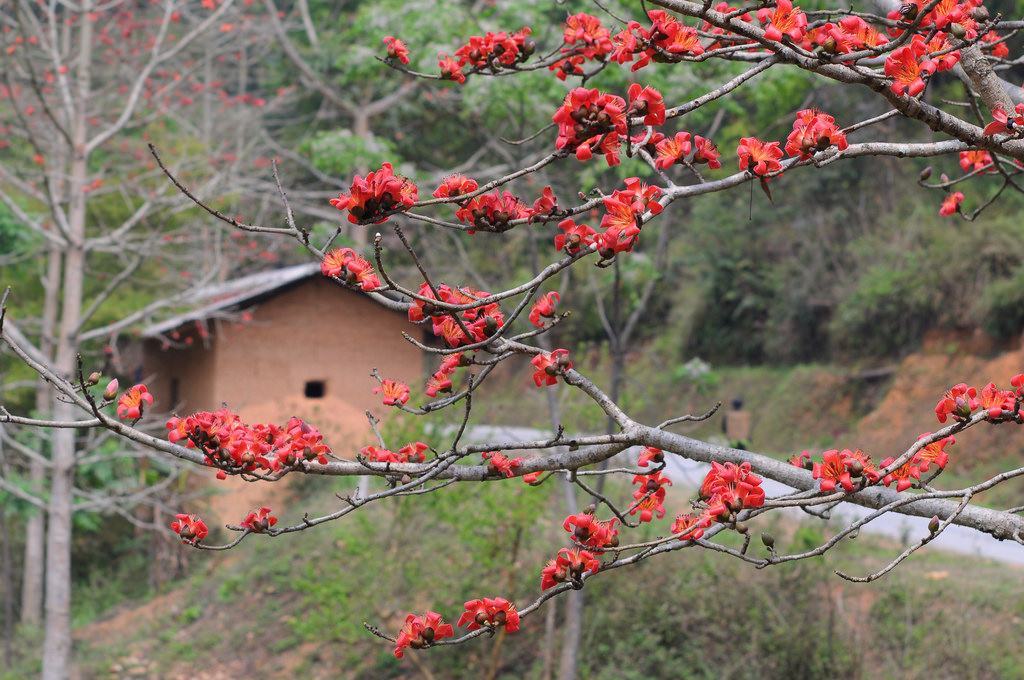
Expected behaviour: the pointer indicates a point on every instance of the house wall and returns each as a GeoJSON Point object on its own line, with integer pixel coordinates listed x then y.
{"type": "Point", "coordinates": [313, 331]}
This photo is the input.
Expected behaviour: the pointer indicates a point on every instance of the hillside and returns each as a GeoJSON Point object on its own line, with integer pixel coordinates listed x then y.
{"type": "Point", "coordinates": [263, 611]}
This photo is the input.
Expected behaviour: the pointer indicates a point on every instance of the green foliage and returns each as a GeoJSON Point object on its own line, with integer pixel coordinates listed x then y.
{"type": "Point", "coordinates": [1003, 305]}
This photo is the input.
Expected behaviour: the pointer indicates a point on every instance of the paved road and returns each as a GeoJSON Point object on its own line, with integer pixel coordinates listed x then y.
{"type": "Point", "coordinates": [687, 475]}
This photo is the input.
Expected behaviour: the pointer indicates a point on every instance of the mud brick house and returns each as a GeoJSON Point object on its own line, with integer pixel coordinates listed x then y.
{"type": "Point", "coordinates": [280, 343]}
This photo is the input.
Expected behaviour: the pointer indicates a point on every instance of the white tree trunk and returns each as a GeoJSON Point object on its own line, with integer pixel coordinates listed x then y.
{"type": "Point", "coordinates": [35, 527]}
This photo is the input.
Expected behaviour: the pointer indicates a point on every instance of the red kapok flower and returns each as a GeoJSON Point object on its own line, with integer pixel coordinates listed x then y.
{"type": "Point", "coordinates": [646, 102]}
{"type": "Point", "coordinates": [908, 69]}
{"type": "Point", "coordinates": [397, 49]}
{"type": "Point", "coordinates": [903, 476]}
{"type": "Point", "coordinates": [832, 471]}
{"type": "Point", "coordinates": [259, 520]}
{"type": "Point", "coordinates": [493, 613]}
{"type": "Point", "coordinates": [422, 631]}
{"type": "Point", "coordinates": [783, 20]}
{"type": "Point", "coordinates": [933, 453]}
{"type": "Point", "coordinates": [650, 496]}
{"type": "Point", "coordinates": [190, 528]}
{"type": "Point", "coordinates": [999, 48]}
{"type": "Point", "coordinates": [347, 265]}
{"type": "Point", "coordinates": [814, 131]}
{"type": "Point", "coordinates": [977, 160]}
{"type": "Point", "coordinates": [568, 565]}
{"type": "Point", "coordinates": [133, 401]}
{"type": "Point", "coordinates": [995, 400]}
{"type": "Point", "coordinates": [501, 464]}
{"type": "Point", "coordinates": [394, 393]}
{"type": "Point", "coordinates": [413, 452]}
{"type": "Point", "coordinates": [1004, 123]}
{"type": "Point", "coordinates": [589, 120]}
{"type": "Point", "coordinates": [730, 487]}
{"type": "Point", "coordinates": [374, 198]}
{"type": "Point", "coordinates": [672, 150]}
{"type": "Point", "coordinates": [450, 69]}
{"type": "Point", "coordinates": [650, 455]}
{"type": "Point", "coordinates": [455, 185]}
{"type": "Point", "coordinates": [690, 527]}
{"type": "Point", "coordinates": [586, 529]}
{"type": "Point", "coordinates": [574, 237]}
{"type": "Point", "coordinates": [951, 203]}
{"type": "Point", "coordinates": [960, 401]}
{"type": "Point", "coordinates": [549, 366]}
{"type": "Point", "coordinates": [705, 151]}
{"type": "Point", "coordinates": [760, 158]}
{"type": "Point", "coordinates": [544, 307]}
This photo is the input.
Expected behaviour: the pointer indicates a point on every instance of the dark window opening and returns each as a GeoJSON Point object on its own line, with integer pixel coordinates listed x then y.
{"type": "Point", "coordinates": [315, 389]}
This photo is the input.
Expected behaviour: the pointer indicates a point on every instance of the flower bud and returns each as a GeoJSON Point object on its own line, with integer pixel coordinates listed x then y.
{"type": "Point", "coordinates": [957, 30]}
{"type": "Point", "coordinates": [110, 391]}
{"type": "Point", "coordinates": [980, 13]}
{"type": "Point", "coordinates": [768, 540]}
{"type": "Point", "coordinates": [94, 378]}
{"type": "Point", "coordinates": [427, 634]}
{"type": "Point", "coordinates": [925, 174]}
{"type": "Point", "coordinates": [933, 524]}
{"type": "Point", "coordinates": [741, 527]}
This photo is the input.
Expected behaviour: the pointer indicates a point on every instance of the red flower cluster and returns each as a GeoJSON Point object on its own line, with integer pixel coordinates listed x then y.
{"type": "Point", "coordinates": [650, 496]}
{"type": "Point", "coordinates": [133, 401]}
{"type": "Point", "coordinates": [941, 16]}
{"type": "Point", "coordinates": [374, 198]}
{"type": "Point", "coordinates": [951, 203]}
{"type": "Point", "coordinates": [846, 468]}
{"type": "Point", "coordinates": [568, 565]}
{"type": "Point", "coordinates": [729, 488]}
{"type": "Point", "coordinates": [1003, 123]}
{"type": "Point", "coordinates": [591, 120]}
{"type": "Point", "coordinates": [482, 322]}
{"type": "Point", "coordinates": [500, 464]}
{"type": "Point", "coordinates": [760, 158]}
{"type": "Point", "coordinates": [441, 380]}
{"type": "Point", "coordinates": [544, 307]}
{"type": "Point", "coordinates": [493, 212]}
{"type": "Point", "coordinates": [650, 455]}
{"type": "Point", "coordinates": [690, 526]}
{"type": "Point", "coordinates": [671, 150]}
{"type": "Point", "coordinates": [549, 366]}
{"type": "Point", "coordinates": [783, 20]}
{"type": "Point", "coordinates": [232, 446]}
{"type": "Point", "coordinates": [908, 66]}
{"type": "Point", "coordinates": [574, 237]}
{"type": "Point", "coordinates": [493, 613]}
{"type": "Point", "coordinates": [667, 39]}
{"type": "Point", "coordinates": [393, 393]}
{"type": "Point", "coordinates": [347, 265]}
{"type": "Point", "coordinates": [849, 34]}
{"type": "Point", "coordinates": [190, 528]}
{"type": "Point", "coordinates": [396, 49]}
{"type": "Point", "coordinates": [419, 632]}
{"type": "Point", "coordinates": [259, 520]}
{"type": "Point", "coordinates": [414, 452]}
{"type": "Point", "coordinates": [648, 103]}
{"type": "Point", "coordinates": [994, 42]}
{"type": "Point", "coordinates": [587, 530]}
{"type": "Point", "coordinates": [455, 185]}
{"type": "Point", "coordinates": [495, 51]}
{"type": "Point", "coordinates": [624, 217]}
{"type": "Point", "coordinates": [450, 69]}
{"type": "Point", "coordinates": [586, 39]}
{"type": "Point", "coordinates": [933, 453]}
{"type": "Point", "coordinates": [814, 131]}
{"type": "Point", "coordinates": [978, 160]}
{"type": "Point", "coordinates": [960, 401]}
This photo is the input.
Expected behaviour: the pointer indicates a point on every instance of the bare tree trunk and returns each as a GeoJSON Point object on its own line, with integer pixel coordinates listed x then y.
{"type": "Point", "coordinates": [35, 527]}
{"type": "Point", "coordinates": [8, 578]}
{"type": "Point", "coordinates": [57, 642]}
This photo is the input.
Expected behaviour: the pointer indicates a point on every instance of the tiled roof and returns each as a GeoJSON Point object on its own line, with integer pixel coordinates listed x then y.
{"type": "Point", "coordinates": [221, 297]}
